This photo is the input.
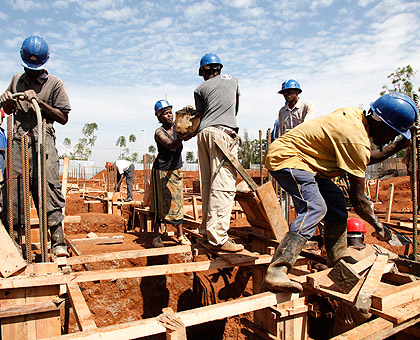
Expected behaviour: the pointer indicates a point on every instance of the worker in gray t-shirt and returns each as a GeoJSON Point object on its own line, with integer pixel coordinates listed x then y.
{"type": "Point", "coordinates": [217, 103]}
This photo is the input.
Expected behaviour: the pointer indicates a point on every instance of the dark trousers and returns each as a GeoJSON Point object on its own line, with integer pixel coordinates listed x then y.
{"type": "Point", "coordinates": [314, 198]}
{"type": "Point", "coordinates": [129, 178]}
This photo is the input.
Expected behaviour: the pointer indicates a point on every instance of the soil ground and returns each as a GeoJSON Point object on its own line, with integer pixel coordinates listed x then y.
{"type": "Point", "coordinates": [124, 300]}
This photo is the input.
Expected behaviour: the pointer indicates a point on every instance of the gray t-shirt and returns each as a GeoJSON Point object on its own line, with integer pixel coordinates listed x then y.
{"type": "Point", "coordinates": [49, 89]}
{"type": "Point", "coordinates": [216, 98]}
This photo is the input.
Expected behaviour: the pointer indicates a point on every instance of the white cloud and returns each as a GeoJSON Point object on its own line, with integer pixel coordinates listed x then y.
{"type": "Point", "coordinates": [240, 3]}
{"type": "Point", "coordinates": [28, 5]}
{"type": "Point", "coordinates": [15, 42]}
{"type": "Point", "coordinates": [199, 10]}
{"type": "Point", "coordinates": [3, 16]}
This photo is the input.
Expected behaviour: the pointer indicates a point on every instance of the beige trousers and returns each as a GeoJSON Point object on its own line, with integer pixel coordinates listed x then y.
{"type": "Point", "coordinates": [217, 189]}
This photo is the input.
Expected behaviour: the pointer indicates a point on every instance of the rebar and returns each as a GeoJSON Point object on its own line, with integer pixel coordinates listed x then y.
{"type": "Point", "coordinates": [26, 204]}
{"type": "Point", "coordinates": [44, 189]}
{"type": "Point", "coordinates": [414, 168]}
{"type": "Point", "coordinates": [10, 172]}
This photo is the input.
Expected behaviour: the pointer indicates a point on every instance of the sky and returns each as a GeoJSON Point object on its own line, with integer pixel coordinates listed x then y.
{"type": "Point", "coordinates": [118, 57]}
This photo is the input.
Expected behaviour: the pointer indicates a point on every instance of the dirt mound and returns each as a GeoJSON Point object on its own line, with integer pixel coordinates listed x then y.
{"type": "Point", "coordinates": [97, 223]}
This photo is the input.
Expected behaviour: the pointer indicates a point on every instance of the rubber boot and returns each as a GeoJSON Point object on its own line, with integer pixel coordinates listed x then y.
{"type": "Point", "coordinates": [335, 240]}
{"type": "Point", "coordinates": [283, 260]}
{"type": "Point", "coordinates": [58, 243]}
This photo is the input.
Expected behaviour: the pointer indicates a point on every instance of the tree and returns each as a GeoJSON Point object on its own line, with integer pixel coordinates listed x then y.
{"type": "Point", "coordinates": [249, 150]}
{"type": "Point", "coordinates": [152, 149]}
{"type": "Point", "coordinates": [190, 157]}
{"type": "Point", "coordinates": [83, 149]}
{"type": "Point", "coordinates": [67, 143]}
{"type": "Point", "coordinates": [121, 143]}
{"type": "Point", "coordinates": [132, 138]}
{"type": "Point", "coordinates": [401, 80]}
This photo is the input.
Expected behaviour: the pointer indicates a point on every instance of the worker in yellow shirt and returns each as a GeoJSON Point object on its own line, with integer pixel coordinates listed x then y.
{"type": "Point", "coordinates": [305, 159]}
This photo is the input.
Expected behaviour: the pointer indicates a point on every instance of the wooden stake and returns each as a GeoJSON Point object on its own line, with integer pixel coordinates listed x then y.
{"type": "Point", "coordinates": [390, 199]}
{"type": "Point", "coordinates": [378, 182]}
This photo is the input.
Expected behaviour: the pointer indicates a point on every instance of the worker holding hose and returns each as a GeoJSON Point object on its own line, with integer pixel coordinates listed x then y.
{"type": "Point", "coordinates": [51, 94]}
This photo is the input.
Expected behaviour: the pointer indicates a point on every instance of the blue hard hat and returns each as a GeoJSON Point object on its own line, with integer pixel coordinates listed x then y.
{"type": "Point", "coordinates": [34, 53]}
{"type": "Point", "coordinates": [161, 104]}
{"type": "Point", "coordinates": [397, 110]}
{"type": "Point", "coordinates": [290, 84]}
{"type": "Point", "coordinates": [210, 58]}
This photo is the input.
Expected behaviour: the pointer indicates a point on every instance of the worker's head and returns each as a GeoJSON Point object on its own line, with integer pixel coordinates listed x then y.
{"type": "Point", "coordinates": [356, 231]}
{"type": "Point", "coordinates": [163, 111]}
{"type": "Point", "coordinates": [290, 89]}
{"type": "Point", "coordinates": [210, 64]}
{"type": "Point", "coordinates": [390, 115]}
{"type": "Point", "coordinates": [34, 53]}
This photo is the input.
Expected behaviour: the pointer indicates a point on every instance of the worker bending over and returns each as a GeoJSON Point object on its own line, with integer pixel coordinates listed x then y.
{"type": "Point", "coordinates": [305, 159]}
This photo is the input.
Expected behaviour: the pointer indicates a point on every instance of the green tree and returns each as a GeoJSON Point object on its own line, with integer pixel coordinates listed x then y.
{"type": "Point", "coordinates": [121, 143]}
{"type": "Point", "coordinates": [132, 138]}
{"type": "Point", "coordinates": [83, 149]}
{"type": "Point", "coordinates": [401, 81]}
{"type": "Point", "coordinates": [152, 149]}
{"type": "Point", "coordinates": [190, 157]}
{"type": "Point", "coordinates": [249, 151]}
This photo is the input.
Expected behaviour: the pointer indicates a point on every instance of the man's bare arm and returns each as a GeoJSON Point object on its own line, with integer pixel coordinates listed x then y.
{"type": "Point", "coordinates": [362, 207]}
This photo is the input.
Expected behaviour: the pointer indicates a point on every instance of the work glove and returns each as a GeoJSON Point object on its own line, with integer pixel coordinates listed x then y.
{"type": "Point", "coordinates": [383, 234]}
{"type": "Point", "coordinates": [6, 98]}
{"type": "Point", "coordinates": [29, 95]}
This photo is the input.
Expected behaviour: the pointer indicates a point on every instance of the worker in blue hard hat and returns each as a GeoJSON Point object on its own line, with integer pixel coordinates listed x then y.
{"type": "Point", "coordinates": [51, 94]}
{"type": "Point", "coordinates": [166, 185]}
{"type": "Point", "coordinates": [217, 103]}
{"type": "Point", "coordinates": [295, 111]}
{"type": "Point", "coordinates": [304, 160]}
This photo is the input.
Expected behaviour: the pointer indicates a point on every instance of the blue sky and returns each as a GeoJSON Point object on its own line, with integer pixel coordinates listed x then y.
{"type": "Point", "coordinates": [119, 57]}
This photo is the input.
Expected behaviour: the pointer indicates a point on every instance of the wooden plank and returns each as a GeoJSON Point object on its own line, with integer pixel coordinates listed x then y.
{"type": "Point", "coordinates": [142, 328]}
{"type": "Point", "coordinates": [31, 308]}
{"type": "Point", "coordinates": [363, 300]}
{"type": "Point", "coordinates": [100, 240]}
{"type": "Point", "coordinates": [67, 219]}
{"type": "Point", "coordinates": [233, 258]}
{"type": "Point", "coordinates": [11, 260]}
{"type": "Point", "coordinates": [397, 296]}
{"type": "Point", "coordinates": [130, 254]}
{"type": "Point", "coordinates": [123, 273]}
{"type": "Point", "coordinates": [273, 211]}
{"type": "Point", "coordinates": [399, 314]}
{"type": "Point", "coordinates": [231, 157]}
{"type": "Point", "coordinates": [81, 310]}
{"type": "Point", "coordinates": [376, 329]}
{"type": "Point", "coordinates": [48, 324]}
{"type": "Point", "coordinates": [195, 208]}
{"type": "Point", "coordinates": [390, 200]}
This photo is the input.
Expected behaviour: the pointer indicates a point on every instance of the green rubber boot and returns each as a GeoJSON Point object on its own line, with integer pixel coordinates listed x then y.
{"type": "Point", "coordinates": [335, 240]}
{"type": "Point", "coordinates": [283, 260]}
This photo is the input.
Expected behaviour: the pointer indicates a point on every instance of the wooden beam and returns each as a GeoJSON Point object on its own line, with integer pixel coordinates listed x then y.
{"type": "Point", "coordinates": [376, 329]}
{"type": "Point", "coordinates": [67, 219]}
{"type": "Point", "coordinates": [31, 308]}
{"type": "Point", "coordinates": [389, 206]}
{"type": "Point", "coordinates": [11, 260]}
{"type": "Point", "coordinates": [123, 273]}
{"type": "Point", "coordinates": [130, 254]}
{"type": "Point", "coordinates": [399, 314]}
{"type": "Point", "coordinates": [142, 328]}
{"type": "Point", "coordinates": [273, 211]}
{"type": "Point", "coordinates": [81, 310]}
{"type": "Point", "coordinates": [397, 296]}
{"type": "Point", "coordinates": [363, 300]}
